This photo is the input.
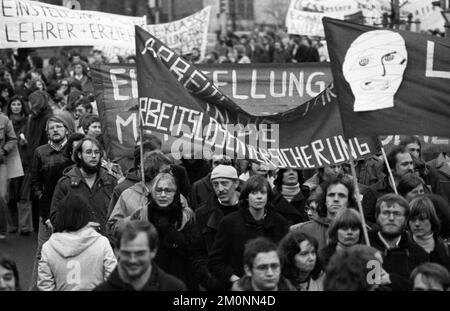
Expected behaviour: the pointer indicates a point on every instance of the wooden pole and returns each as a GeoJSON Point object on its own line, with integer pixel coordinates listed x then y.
{"type": "Point", "coordinates": [358, 196]}
{"type": "Point", "coordinates": [141, 147]}
{"type": "Point", "coordinates": [389, 170]}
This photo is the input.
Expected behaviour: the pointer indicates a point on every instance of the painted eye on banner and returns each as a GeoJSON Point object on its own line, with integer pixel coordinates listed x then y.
{"type": "Point", "coordinates": [389, 57]}
{"type": "Point", "coordinates": [72, 4]}
{"type": "Point", "coordinates": [364, 61]}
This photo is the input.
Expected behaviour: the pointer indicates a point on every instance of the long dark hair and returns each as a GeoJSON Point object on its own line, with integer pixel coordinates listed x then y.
{"type": "Point", "coordinates": [10, 264]}
{"type": "Point", "coordinates": [289, 247]}
{"type": "Point", "coordinates": [278, 182]}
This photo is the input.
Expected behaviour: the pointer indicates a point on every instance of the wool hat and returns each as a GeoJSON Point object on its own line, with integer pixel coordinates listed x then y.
{"type": "Point", "coordinates": [224, 171]}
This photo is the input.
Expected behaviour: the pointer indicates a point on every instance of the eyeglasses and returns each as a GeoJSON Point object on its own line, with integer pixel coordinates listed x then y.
{"type": "Point", "coordinates": [159, 191]}
{"type": "Point", "coordinates": [93, 152]}
{"type": "Point", "coordinates": [387, 214]}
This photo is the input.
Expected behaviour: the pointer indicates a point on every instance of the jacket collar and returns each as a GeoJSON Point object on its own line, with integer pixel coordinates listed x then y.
{"type": "Point", "coordinates": [442, 165]}
{"type": "Point", "coordinates": [76, 178]}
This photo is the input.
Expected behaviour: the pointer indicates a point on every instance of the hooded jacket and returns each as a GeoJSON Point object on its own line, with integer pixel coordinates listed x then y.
{"type": "Point", "coordinates": [317, 227]}
{"type": "Point", "coordinates": [78, 260]}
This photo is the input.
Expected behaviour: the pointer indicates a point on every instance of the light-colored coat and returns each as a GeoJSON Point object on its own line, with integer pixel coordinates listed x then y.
{"type": "Point", "coordinates": [78, 260]}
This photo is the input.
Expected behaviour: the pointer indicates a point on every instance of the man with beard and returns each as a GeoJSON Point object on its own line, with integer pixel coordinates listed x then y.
{"type": "Point", "coordinates": [400, 163]}
{"type": "Point", "coordinates": [87, 178]}
{"type": "Point", "coordinates": [136, 270]}
{"type": "Point", "coordinates": [49, 162]}
{"type": "Point", "coordinates": [400, 254]}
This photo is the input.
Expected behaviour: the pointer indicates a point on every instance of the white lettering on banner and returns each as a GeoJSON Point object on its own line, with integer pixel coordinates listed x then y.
{"type": "Point", "coordinates": [117, 83]}
{"type": "Point", "coordinates": [120, 122]}
{"type": "Point", "coordinates": [185, 34]}
{"type": "Point", "coordinates": [430, 72]}
{"type": "Point", "coordinates": [35, 24]}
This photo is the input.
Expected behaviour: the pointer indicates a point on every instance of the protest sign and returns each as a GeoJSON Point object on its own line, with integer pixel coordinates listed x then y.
{"type": "Point", "coordinates": [185, 34]}
{"type": "Point", "coordinates": [304, 23]}
{"type": "Point", "coordinates": [269, 88]}
{"type": "Point", "coordinates": [176, 99]}
{"type": "Point", "coordinates": [389, 81]}
{"type": "Point", "coordinates": [116, 89]}
{"type": "Point", "coordinates": [36, 24]}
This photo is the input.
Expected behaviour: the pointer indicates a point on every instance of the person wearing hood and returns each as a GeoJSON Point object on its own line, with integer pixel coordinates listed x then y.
{"type": "Point", "coordinates": [337, 194]}
{"type": "Point", "coordinates": [254, 218]}
{"type": "Point", "coordinates": [76, 257]}
{"type": "Point", "coordinates": [40, 113]}
{"type": "Point", "coordinates": [400, 253]}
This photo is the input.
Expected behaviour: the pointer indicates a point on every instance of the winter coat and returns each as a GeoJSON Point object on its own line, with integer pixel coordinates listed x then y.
{"type": "Point", "coordinates": [317, 227]}
{"type": "Point", "coordinates": [440, 169]}
{"type": "Point", "coordinates": [35, 132]}
{"type": "Point", "coordinates": [244, 284]}
{"type": "Point", "coordinates": [47, 168]}
{"type": "Point", "coordinates": [208, 217]}
{"type": "Point", "coordinates": [201, 191]}
{"type": "Point", "coordinates": [98, 196]}
{"type": "Point", "coordinates": [293, 211]}
{"type": "Point", "coordinates": [178, 245]}
{"type": "Point", "coordinates": [7, 135]}
{"type": "Point", "coordinates": [235, 229]}
{"type": "Point", "coordinates": [399, 262]}
{"type": "Point", "coordinates": [158, 281]}
{"type": "Point", "coordinates": [78, 260]}
{"type": "Point", "coordinates": [129, 201]}
{"type": "Point", "coordinates": [131, 177]}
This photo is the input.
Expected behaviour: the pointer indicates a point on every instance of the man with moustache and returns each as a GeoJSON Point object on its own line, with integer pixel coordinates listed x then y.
{"type": "Point", "coordinates": [400, 162]}
{"type": "Point", "coordinates": [49, 162]}
{"type": "Point", "coordinates": [400, 254]}
{"type": "Point", "coordinates": [89, 179]}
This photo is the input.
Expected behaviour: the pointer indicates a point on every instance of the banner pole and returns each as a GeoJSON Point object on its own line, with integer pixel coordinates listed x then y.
{"type": "Point", "coordinates": [141, 147]}
{"type": "Point", "coordinates": [358, 195]}
{"type": "Point", "coordinates": [389, 170]}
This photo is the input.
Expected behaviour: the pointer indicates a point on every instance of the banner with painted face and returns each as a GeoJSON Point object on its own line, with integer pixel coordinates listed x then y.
{"type": "Point", "coordinates": [177, 99]}
{"type": "Point", "coordinates": [389, 81]}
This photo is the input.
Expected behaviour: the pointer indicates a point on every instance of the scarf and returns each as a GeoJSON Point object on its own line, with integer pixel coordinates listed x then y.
{"type": "Point", "coordinates": [426, 242]}
{"type": "Point", "coordinates": [289, 192]}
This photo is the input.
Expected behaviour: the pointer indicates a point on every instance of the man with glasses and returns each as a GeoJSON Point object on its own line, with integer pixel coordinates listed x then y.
{"type": "Point", "coordinates": [49, 162]}
{"type": "Point", "coordinates": [136, 270]}
{"type": "Point", "coordinates": [89, 179]}
{"type": "Point", "coordinates": [400, 254]}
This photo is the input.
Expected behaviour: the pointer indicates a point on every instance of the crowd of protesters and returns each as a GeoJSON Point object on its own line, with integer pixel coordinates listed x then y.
{"type": "Point", "coordinates": [210, 224]}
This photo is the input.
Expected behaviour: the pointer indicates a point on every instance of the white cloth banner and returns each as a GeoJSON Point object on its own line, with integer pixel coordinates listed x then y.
{"type": "Point", "coordinates": [26, 23]}
{"type": "Point", "coordinates": [185, 34]}
{"type": "Point", "coordinates": [304, 17]}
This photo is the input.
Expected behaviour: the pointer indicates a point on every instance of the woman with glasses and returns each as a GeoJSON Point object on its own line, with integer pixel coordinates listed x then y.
{"type": "Point", "coordinates": [425, 226]}
{"type": "Point", "coordinates": [299, 262]}
{"type": "Point", "coordinates": [178, 235]}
